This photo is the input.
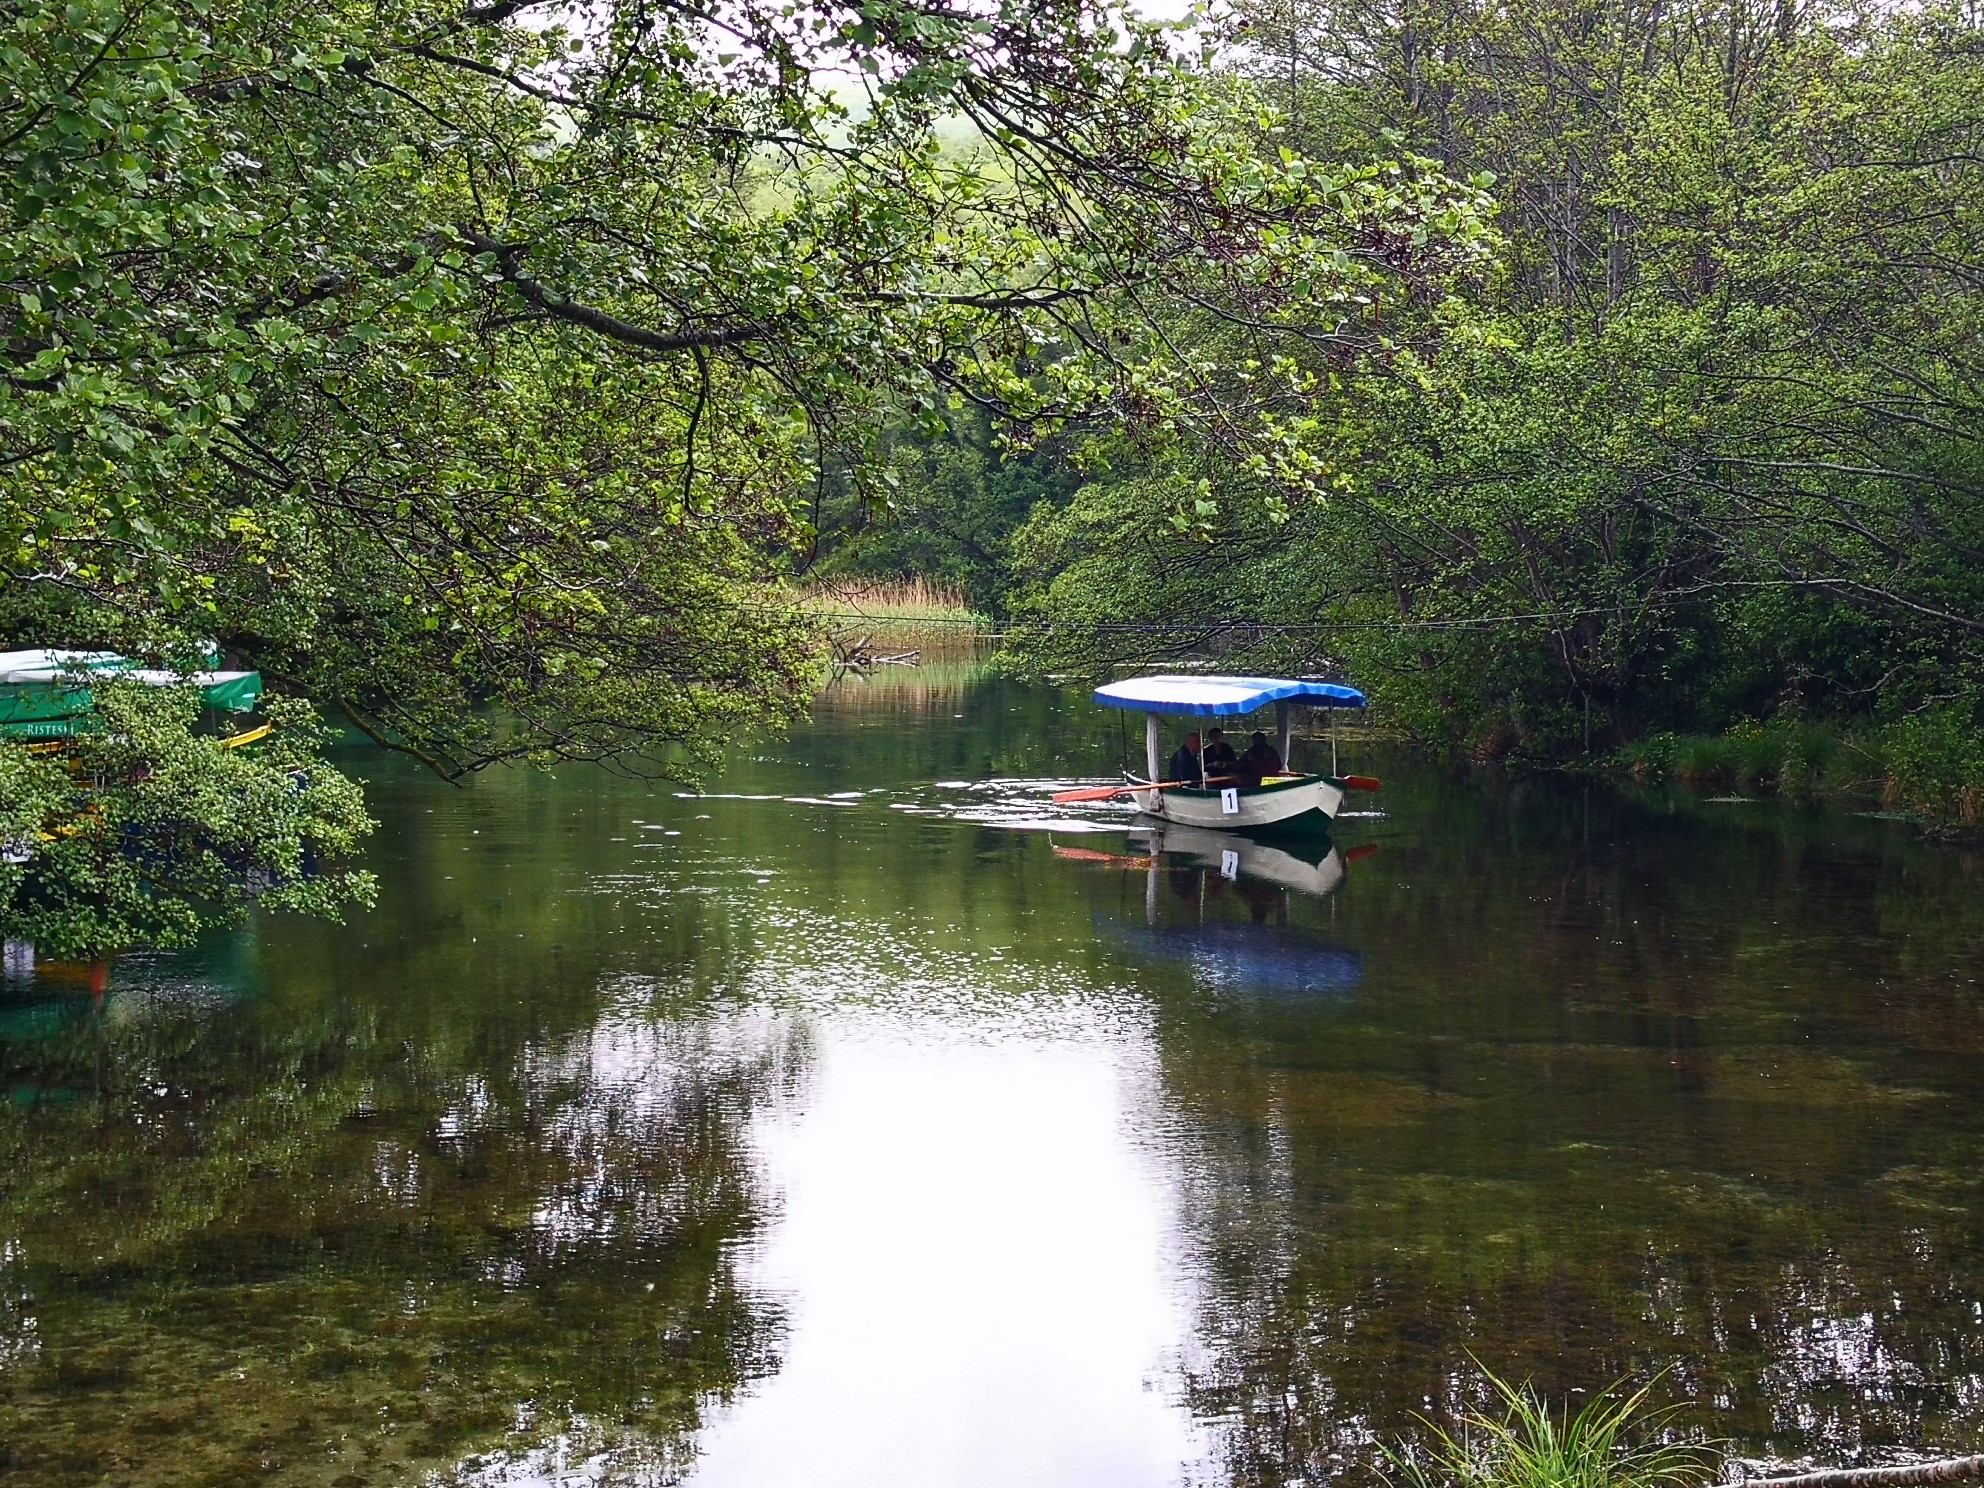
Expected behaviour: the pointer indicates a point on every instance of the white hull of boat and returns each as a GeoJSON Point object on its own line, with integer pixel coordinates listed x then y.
{"type": "Point", "coordinates": [1254, 806]}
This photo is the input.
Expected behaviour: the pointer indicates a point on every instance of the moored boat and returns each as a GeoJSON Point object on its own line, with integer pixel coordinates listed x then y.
{"type": "Point", "coordinates": [1232, 803]}
{"type": "Point", "coordinates": [45, 694]}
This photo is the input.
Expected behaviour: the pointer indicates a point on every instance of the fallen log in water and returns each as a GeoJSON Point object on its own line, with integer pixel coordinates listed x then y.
{"type": "Point", "coordinates": [861, 655]}
{"type": "Point", "coordinates": [1907, 1475]}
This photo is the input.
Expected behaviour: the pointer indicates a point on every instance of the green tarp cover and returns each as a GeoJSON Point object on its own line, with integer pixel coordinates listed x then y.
{"type": "Point", "coordinates": [37, 711]}
{"type": "Point", "coordinates": [233, 692]}
{"type": "Point", "coordinates": [41, 699]}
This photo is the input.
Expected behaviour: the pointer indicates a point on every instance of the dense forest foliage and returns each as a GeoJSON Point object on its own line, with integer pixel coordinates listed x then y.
{"type": "Point", "coordinates": [490, 375]}
{"type": "Point", "coordinates": [1699, 449]}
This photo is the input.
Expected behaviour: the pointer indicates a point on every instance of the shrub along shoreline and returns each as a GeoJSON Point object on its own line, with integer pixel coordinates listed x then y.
{"type": "Point", "coordinates": [1928, 766]}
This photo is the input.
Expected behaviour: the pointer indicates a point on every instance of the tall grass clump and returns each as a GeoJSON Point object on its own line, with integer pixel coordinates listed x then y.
{"type": "Point", "coordinates": [1800, 759]}
{"type": "Point", "coordinates": [910, 612]}
{"type": "Point", "coordinates": [1611, 1442]}
{"type": "Point", "coordinates": [1929, 764]}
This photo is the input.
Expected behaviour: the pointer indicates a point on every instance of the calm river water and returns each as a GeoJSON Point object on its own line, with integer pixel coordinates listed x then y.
{"type": "Point", "coordinates": [846, 1127]}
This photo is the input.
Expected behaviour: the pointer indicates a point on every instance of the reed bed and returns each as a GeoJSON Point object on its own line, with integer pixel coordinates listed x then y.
{"type": "Point", "coordinates": [906, 614]}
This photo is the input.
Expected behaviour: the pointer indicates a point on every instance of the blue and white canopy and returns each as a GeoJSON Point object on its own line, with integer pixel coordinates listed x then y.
{"type": "Point", "coordinates": [1222, 697]}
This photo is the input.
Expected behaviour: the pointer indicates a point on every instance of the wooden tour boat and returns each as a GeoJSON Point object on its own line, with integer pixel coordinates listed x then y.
{"type": "Point", "coordinates": [1291, 799]}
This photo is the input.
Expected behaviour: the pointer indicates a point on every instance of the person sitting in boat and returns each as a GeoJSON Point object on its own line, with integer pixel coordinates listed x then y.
{"type": "Point", "coordinates": [1184, 767]}
{"type": "Point", "coordinates": [1259, 762]}
{"type": "Point", "coordinates": [1219, 758]}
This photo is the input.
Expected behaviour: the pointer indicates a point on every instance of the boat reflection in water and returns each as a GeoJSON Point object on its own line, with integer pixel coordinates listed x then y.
{"type": "Point", "coordinates": [1194, 881]}
{"type": "Point", "coordinates": [41, 998]}
{"type": "Point", "coordinates": [1313, 866]}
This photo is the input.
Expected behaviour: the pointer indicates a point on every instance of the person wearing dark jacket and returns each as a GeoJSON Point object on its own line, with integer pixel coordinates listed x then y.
{"type": "Point", "coordinates": [1184, 767]}
{"type": "Point", "coordinates": [1219, 758]}
{"type": "Point", "coordinates": [1259, 761]}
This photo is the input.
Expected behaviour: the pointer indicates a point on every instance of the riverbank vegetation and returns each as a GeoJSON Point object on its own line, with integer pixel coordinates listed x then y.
{"type": "Point", "coordinates": [145, 829]}
{"type": "Point", "coordinates": [1928, 765]}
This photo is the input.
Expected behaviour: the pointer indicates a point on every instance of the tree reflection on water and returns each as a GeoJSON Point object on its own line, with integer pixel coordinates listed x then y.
{"type": "Point", "coordinates": [1660, 1126]}
{"type": "Point", "coordinates": [363, 1240]}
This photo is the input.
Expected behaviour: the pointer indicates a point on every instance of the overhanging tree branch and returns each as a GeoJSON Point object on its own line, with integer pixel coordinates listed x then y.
{"type": "Point", "coordinates": [561, 307]}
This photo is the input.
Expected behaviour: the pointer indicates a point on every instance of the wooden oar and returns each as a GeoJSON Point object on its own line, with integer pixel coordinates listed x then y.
{"type": "Point", "coordinates": [1363, 782]}
{"type": "Point", "coordinates": [1104, 792]}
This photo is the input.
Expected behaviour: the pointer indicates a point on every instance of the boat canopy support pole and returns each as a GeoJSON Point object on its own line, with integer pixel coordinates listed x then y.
{"type": "Point", "coordinates": [1152, 739]}
{"type": "Point", "coordinates": [1283, 724]}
